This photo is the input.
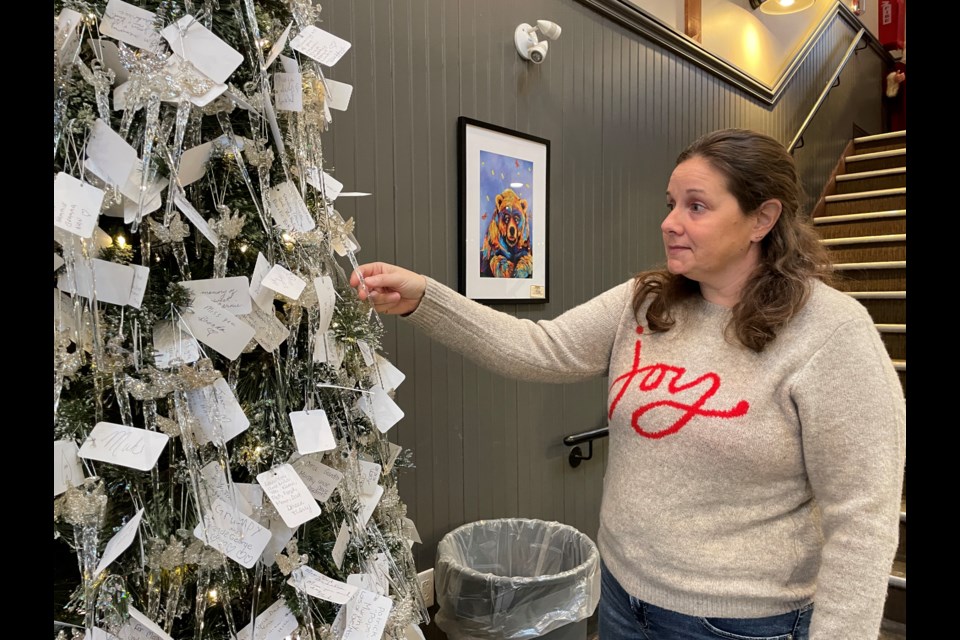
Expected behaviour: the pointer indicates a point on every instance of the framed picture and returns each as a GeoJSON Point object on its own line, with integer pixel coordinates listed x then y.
{"type": "Point", "coordinates": [504, 186]}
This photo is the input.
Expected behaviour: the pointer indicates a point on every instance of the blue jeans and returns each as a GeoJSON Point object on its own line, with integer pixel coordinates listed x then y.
{"type": "Point", "coordinates": [623, 617]}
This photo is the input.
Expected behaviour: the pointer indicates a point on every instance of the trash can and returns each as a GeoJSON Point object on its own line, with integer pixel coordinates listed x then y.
{"type": "Point", "coordinates": [512, 579]}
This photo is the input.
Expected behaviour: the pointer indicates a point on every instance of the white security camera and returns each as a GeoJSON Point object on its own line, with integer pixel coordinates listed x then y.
{"type": "Point", "coordinates": [529, 46]}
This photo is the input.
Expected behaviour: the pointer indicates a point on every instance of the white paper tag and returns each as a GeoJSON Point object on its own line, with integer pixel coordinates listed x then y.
{"type": "Point", "coordinates": [395, 450]}
{"type": "Point", "coordinates": [276, 622]}
{"type": "Point", "coordinates": [194, 216]}
{"type": "Point", "coordinates": [368, 502]}
{"type": "Point", "coordinates": [219, 414]}
{"type": "Point", "coordinates": [131, 209]}
{"type": "Point", "coordinates": [338, 96]}
{"type": "Point", "coordinates": [369, 476]}
{"type": "Point", "coordinates": [326, 348]}
{"type": "Point", "coordinates": [332, 187]}
{"type": "Point", "coordinates": [179, 67]}
{"type": "Point", "coordinates": [412, 632]}
{"type": "Point", "coordinates": [367, 616]}
{"type": "Point", "coordinates": [289, 495]}
{"type": "Point", "coordinates": [109, 53]}
{"type": "Point", "coordinates": [57, 261]}
{"type": "Point", "coordinates": [192, 41]}
{"type": "Point", "coordinates": [288, 91]}
{"type": "Point", "coordinates": [252, 493]}
{"type": "Point", "coordinates": [119, 542]}
{"type": "Point", "coordinates": [327, 297]}
{"type": "Point", "coordinates": [320, 586]}
{"type": "Point", "coordinates": [217, 328]}
{"type": "Point", "coordinates": [125, 446]}
{"type": "Point", "coordinates": [277, 47]}
{"type": "Point", "coordinates": [366, 352]}
{"type": "Point", "coordinates": [381, 408]}
{"type": "Point", "coordinates": [111, 281]}
{"type": "Point", "coordinates": [134, 190]}
{"type": "Point", "coordinates": [288, 209]}
{"type": "Point", "coordinates": [99, 634]}
{"type": "Point", "coordinates": [319, 478]}
{"type": "Point", "coordinates": [233, 294]}
{"type": "Point", "coordinates": [270, 332]}
{"type": "Point", "coordinates": [233, 534]}
{"type": "Point", "coordinates": [65, 32]}
{"type": "Point", "coordinates": [172, 345]}
{"type": "Point", "coordinates": [67, 471]}
{"type": "Point", "coordinates": [410, 530]}
{"type": "Point", "coordinates": [324, 47]}
{"type": "Point", "coordinates": [312, 431]}
{"type": "Point", "coordinates": [284, 282]}
{"type": "Point", "coordinates": [140, 627]}
{"type": "Point", "coordinates": [262, 296]}
{"type": "Point", "coordinates": [76, 205]}
{"type": "Point", "coordinates": [109, 156]}
{"type": "Point", "coordinates": [280, 535]}
{"type": "Point", "coordinates": [193, 163]}
{"type": "Point", "coordinates": [217, 488]}
{"type": "Point", "coordinates": [130, 24]}
{"type": "Point", "coordinates": [340, 545]}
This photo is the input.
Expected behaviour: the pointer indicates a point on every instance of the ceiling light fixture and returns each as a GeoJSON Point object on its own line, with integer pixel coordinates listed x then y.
{"type": "Point", "coordinates": [781, 7]}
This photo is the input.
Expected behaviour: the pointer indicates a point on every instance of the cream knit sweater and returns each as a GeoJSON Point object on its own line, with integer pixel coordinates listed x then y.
{"type": "Point", "coordinates": [738, 484]}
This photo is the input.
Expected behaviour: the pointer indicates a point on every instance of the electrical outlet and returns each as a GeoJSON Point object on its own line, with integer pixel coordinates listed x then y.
{"type": "Point", "coordinates": [425, 578]}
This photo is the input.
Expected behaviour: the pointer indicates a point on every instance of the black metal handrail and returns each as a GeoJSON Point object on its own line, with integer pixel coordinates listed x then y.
{"type": "Point", "coordinates": [576, 454]}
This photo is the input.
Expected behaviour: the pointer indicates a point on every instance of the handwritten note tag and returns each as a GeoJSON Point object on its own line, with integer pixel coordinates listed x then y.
{"type": "Point", "coordinates": [217, 487]}
{"type": "Point", "coordinates": [76, 205]}
{"type": "Point", "coordinates": [381, 409]}
{"type": "Point", "coordinates": [217, 328]}
{"type": "Point", "coordinates": [327, 349]}
{"type": "Point", "coordinates": [125, 446]}
{"type": "Point", "coordinates": [319, 478]}
{"type": "Point", "coordinates": [367, 616]}
{"type": "Point", "coordinates": [140, 627]}
{"type": "Point", "coordinates": [220, 416]}
{"type": "Point", "coordinates": [130, 24]}
{"type": "Point", "coordinates": [340, 545]}
{"type": "Point", "coordinates": [369, 476]}
{"type": "Point", "coordinates": [284, 282]}
{"type": "Point", "coordinates": [109, 156]}
{"type": "Point", "coordinates": [277, 47]}
{"type": "Point", "coordinates": [270, 332]}
{"type": "Point", "coordinates": [67, 471]}
{"type": "Point", "coordinates": [99, 634]}
{"type": "Point", "coordinates": [276, 622]}
{"type": "Point", "coordinates": [193, 163]}
{"type": "Point", "coordinates": [320, 586]}
{"type": "Point", "coordinates": [312, 431]}
{"type": "Point", "coordinates": [139, 286]}
{"type": "Point", "coordinates": [324, 47]}
{"type": "Point", "coordinates": [194, 216]}
{"type": "Point", "coordinates": [368, 502]}
{"type": "Point", "coordinates": [212, 57]}
{"type": "Point", "coordinates": [233, 294]}
{"type": "Point", "coordinates": [262, 296]}
{"type": "Point", "coordinates": [119, 542]}
{"type": "Point", "coordinates": [289, 495]}
{"type": "Point", "coordinates": [288, 91]}
{"type": "Point", "coordinates": [324, 182]}
{"type": "Point", "coordinates": [288, 208]}
{"type": "Point", "coordinates": [327, 296]}
{"type": "Point", "coordinates": [233, 534]}
{"type": "Point", "coordinates": [173, 345]}
{"type": "Point", "coordinates": [338, 96]}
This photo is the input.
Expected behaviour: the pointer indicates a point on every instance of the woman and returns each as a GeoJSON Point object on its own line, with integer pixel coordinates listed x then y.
{"type": "Point", "coordinates": [757, 425]}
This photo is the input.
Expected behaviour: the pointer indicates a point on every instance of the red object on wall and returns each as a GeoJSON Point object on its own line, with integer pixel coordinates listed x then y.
{"type": "Point", "coordinates": [892, 24]}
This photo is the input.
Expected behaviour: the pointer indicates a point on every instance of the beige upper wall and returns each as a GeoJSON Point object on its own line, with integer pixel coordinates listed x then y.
{"type": "Point", "coordinates": [758, 44]}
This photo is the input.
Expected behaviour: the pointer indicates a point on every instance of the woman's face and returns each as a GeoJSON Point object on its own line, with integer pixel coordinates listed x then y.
{"type": "Point", "coordinates": [706, 236]}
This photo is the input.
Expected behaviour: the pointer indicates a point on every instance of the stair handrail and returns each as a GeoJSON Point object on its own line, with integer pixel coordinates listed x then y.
{"type": "Point", "coordinates": [834, 79]}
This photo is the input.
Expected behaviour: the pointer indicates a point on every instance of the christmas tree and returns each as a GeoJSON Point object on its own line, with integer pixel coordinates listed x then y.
{"type": "Point", "coordinates": [221, 461]}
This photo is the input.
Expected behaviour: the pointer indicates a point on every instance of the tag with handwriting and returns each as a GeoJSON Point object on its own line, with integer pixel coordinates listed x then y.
{"type": "Point", "coordinates": [327, 297]}
{"type": "Point", "coordinates": [288, 208]}
{"type": "Point", "coordinates": [262, 296]}
{"type": "Point", "coordinates": [367, 616]}
{"type": "Point", "coordinates": [233, 534]}
{"type": "Point", "coordinates": [276, 622]}
{"type": "Point", "coordinates": [220, 416]}
{"type": "Point", "coordinates": [326, 348]}
{"type": "Point", "coordinates": [316, 584]}
{"type": "Point", "coordinates": [233, 294]}
{"type": "Point", "coordinates": [340, 545]}
{"type": "Point", "coordinates": [67, 471]}
{"type": "Point", "coordinates": [217, 328]}
{"type": "Point", "coordinates": [368, 502]}
{"type": "Point", "coordinates": [277, 47]}
{"type": "Point", "coordinates": [173, 345]}
{"type": "Point", "coordinates": [312, 431]}
{"type": "Point", "coordinates": [194, 216]}
{"type": "Point", "coordinates": [110, 281]}
{"type": "Point", "coordinates": [218, 488]}
{"type": "Point", "coordinates": [140, 627]}
{"type": "Point", "coordinates": [324, 47]}
{"type": "Point", "coordinates": [288, 91]}
{"type": "Point", "coordinates": [270, 332]}
{"type": "Point", "coordinates": [289, 495]}
{"type": "Point", "coordinates": [131, 24]}
{"type": "Point", "coordinates": [284, 282]}
{"type": "Point", "coordinates": [126, 446]}
{"type": "Point", "coordinates": [319, 478]}
{"type": "Point", "coordinates": [119, 542]}
{"type": "Point", "coordinates": [109, 156]}
{"type": "Point", "coordinates": [139, 285]}
{"type": "Point", "coordinates": [76, 205]}
{"type": "Point", "coordinates": [211, 56]}
{"type": "Point", "coordinates": [338, 96]}
{"type": "Point", "coordinates": [369, 476]}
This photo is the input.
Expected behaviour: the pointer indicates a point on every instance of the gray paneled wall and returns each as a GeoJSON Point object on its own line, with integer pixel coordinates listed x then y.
{"type": "Point", "coordinates": [617, 110]}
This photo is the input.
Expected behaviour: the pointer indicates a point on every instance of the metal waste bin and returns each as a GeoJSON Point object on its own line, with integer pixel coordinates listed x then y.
{"type": "Point", "coordinates": [512, 579]}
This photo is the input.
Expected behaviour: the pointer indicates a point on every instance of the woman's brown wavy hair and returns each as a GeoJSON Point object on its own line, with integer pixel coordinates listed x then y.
{"type": "Point", "coordinates": [758, 168]}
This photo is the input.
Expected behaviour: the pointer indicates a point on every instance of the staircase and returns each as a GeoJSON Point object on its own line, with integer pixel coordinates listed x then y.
{"type": "Point", "coordinates": [862, 220]}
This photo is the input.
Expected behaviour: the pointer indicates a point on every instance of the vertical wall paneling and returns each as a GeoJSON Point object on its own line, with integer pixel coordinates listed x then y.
{"type": "Point", "coordinates": [617, 109]}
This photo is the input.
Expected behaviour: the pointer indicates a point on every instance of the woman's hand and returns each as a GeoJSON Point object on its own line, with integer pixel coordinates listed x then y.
{"type": "Point", "coordinates": [391, 289]}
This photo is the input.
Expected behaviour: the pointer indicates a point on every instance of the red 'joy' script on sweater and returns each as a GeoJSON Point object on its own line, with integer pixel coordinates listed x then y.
{"type": "Point", "coordinates": [652, 377]}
